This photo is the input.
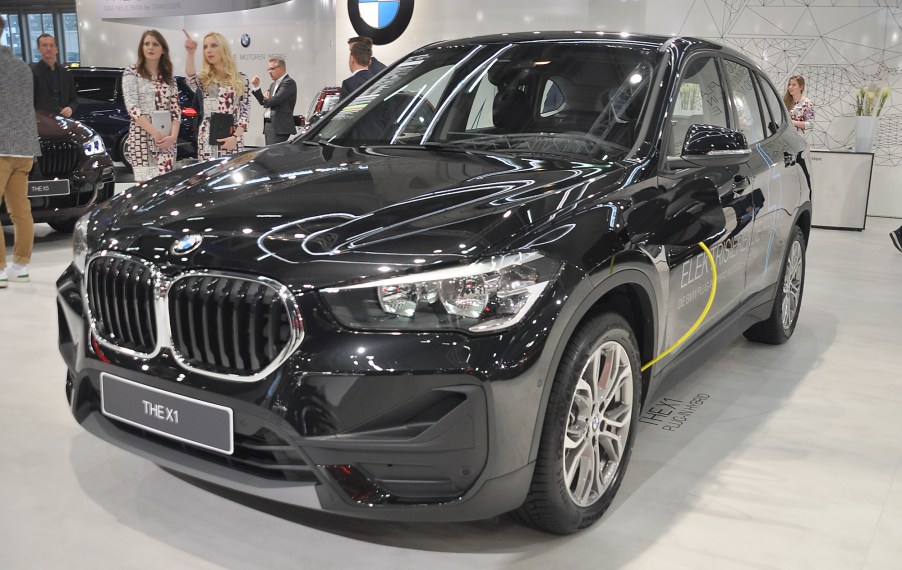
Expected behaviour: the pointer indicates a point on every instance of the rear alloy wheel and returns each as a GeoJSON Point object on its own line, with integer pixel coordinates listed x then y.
{"type": "Point", "coordinates": [788, 299]}
{"type": "Point", "coordinates": [121, 151]}
{"type": "Point", "coordinates": [589, 428]}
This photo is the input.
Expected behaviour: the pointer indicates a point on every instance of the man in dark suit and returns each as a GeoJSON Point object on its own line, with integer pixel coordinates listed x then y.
{"type": "Point", "coordinates": [359, 63]}
{"type": "Point", "coordinates": [54, 86]}
{"type": "Point", "coordinates": [375, 65]}
{"type": "Point", "coordinates": [279, 100]}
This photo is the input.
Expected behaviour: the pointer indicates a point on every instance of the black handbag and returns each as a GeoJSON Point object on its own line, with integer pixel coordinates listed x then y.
{"type": "Point", "coordinates": [222, 125]}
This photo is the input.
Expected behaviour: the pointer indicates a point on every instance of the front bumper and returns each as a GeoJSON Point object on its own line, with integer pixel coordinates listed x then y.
{"type": "Point", "coordinates": [396, 444]}
{"type": "Point", "coordinates": [92, 184]}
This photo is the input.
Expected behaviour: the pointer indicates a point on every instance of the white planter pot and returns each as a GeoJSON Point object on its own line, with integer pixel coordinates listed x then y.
{"type": "Point", "coordinates": [865, 129]}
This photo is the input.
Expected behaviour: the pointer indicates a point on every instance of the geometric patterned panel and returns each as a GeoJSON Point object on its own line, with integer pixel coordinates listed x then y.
{"type": "Point", "coordinates": [776, 56]}
{"type": "Point", "coordinates": [838, 46]}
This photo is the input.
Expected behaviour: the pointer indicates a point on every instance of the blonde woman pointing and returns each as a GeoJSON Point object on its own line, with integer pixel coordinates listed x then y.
{"type": "Point", "coordinates": [226, 97]}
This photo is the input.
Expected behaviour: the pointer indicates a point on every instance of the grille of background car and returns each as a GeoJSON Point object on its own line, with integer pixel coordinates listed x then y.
{"type": "Point", "coordinates": [59, 158]}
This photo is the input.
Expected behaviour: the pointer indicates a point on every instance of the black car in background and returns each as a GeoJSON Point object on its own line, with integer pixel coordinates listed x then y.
{"type": "Point", "coordinates": [452, 297]}
{"type": "Point", "coordinates": [73, 174]}
{"type": "Point", "coordinates": [101, 106]}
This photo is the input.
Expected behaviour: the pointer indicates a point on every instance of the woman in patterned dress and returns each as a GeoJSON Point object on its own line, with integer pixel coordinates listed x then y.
{"type": "Point", "coordinates": [225, 89]}
{"type": "Point", "coordinates": [150, 86]}
{"type": "Point", "coordinates": [801, 109]}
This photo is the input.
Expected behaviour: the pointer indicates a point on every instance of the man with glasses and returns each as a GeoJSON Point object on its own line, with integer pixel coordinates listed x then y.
{"type": "Point", "coordinates": [54, 86]}
{"type": "Point", "coordinates": [278, 102]}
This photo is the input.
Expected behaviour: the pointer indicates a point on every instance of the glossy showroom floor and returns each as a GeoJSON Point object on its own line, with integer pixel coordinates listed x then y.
{"type": "Point", "coordinates": [793, 461]}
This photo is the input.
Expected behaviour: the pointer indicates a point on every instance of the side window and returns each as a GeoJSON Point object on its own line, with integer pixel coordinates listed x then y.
{"type": "Point", "coordinates": [699, 100]}
{"type": "Point", "coordinates": [93, 88]}
{"type": "Point", "coordinates": [745, 100]}
{"type": "Point", "coordinates": [774, 103]}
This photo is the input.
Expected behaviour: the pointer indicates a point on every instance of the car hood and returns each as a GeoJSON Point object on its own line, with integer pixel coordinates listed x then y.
{"type": "Point", "coordinates": [322, 215]}
{"type": "Point", "coordinates": [56, 128]}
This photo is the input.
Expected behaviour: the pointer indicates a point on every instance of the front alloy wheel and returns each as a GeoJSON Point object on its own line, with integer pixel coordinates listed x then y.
{"type": "Point", "coordinates": [598, 424]}
{"type": "Point", "coordinates": [589, 428]}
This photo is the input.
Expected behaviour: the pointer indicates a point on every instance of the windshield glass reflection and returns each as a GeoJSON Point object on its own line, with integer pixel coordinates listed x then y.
{"type": "Point", "coordinates": [578, 100]}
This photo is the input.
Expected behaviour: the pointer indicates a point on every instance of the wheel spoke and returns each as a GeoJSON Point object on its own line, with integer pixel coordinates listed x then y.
{"type": "Point", "coordinates": [617, 416]}
{"type": "Point", "coordinates": [575, 464]}
{"type": "Point", "coordinates": [593, 373]}
{"type": "Point", "coordinates": [588, 467]}
{"type": "Point", "coordinates": [576, 434]}
{"type": "Point", "coordinates": [612, 444]}
{"type": "Point", "coordinates": [615, 375]}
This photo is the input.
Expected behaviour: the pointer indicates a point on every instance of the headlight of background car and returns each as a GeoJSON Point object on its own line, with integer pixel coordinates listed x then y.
{"type": "Point", "coordinates": [485, 296]}
{"type": "Point", "coordinates": [94, 146]}
{"type": "Point", "coordinates": [80, 243]}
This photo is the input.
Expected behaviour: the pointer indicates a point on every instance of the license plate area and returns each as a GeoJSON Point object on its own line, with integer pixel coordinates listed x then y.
{"type": "Point", "coordinates": [42, 188]}
{"type": "Point", "coordinates": [199, 423]}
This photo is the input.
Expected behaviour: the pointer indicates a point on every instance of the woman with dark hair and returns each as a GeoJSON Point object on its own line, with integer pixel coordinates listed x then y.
{"type": "Point", "coordinates": [801, 109]}
{"type": "Point", "coordinates": [152, 100]}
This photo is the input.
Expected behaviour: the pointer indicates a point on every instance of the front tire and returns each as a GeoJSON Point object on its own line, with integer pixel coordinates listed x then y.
{"type": "Point", "coordinates": [788, 299]}
{"type": "Point", "coordinates": [589, 428]}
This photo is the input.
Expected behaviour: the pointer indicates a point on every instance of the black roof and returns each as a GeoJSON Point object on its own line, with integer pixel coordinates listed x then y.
{"type": "Point", "coordinates": [681, 43]}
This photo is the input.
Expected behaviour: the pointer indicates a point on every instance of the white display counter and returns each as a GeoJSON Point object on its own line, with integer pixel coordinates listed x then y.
{"type": "Point", "coordinates": [840, 186]}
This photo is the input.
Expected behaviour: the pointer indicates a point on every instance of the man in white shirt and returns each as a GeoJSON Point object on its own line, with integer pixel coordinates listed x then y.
{"type": "Point", "coordinates": [278, 102]}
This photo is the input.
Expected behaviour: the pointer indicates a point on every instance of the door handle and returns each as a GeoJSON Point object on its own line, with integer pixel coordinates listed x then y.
{"type": "Point", "coordinates": [788, 159]}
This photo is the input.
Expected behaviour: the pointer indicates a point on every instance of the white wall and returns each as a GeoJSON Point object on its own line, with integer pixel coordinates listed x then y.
{"type": "Point", "coordinates": [301, 31]}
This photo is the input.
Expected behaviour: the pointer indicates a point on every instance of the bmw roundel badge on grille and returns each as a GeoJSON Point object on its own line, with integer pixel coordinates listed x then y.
{"type": "Point", "coordinates": [187, 244]}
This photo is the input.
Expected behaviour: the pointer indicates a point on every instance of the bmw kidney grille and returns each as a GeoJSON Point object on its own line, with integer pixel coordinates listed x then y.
{"type": "Point", "coordinates": [224, 325]}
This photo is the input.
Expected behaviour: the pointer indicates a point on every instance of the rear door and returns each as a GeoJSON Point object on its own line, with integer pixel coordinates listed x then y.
{"type": "Point", "coordinates": [771, 197]}
{"type": "Point", "coordinates": [702, 97]}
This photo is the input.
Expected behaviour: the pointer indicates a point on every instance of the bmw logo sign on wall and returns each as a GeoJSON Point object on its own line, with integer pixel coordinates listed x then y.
{"type": "Point", "coordinates": [245, 40]}
{"type": "Point", "coordinates": [382, 20]}
{"type": "Point", "coordinates": [187, 244]}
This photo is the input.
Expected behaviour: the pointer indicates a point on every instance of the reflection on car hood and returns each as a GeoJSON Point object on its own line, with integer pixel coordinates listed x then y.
{"type": "Point", "coordinates": [51, 128]}
{"type": "Point", "coordinates": [291, 209]}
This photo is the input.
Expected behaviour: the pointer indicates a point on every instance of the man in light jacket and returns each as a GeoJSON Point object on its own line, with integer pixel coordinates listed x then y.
{"type": "Point", "coordinates": [18, 147]}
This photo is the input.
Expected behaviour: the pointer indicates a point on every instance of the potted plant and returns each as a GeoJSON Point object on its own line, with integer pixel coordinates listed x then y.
{"type": "Point", "coordinates": [869, 101]}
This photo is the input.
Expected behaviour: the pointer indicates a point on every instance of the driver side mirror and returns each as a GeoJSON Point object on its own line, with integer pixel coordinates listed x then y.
{"type": "Point", "coordinates": [709, 145]}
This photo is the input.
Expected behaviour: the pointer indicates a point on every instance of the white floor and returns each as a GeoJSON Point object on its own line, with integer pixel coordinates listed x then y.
{"type": "Point", "coordinates": [794, 460]}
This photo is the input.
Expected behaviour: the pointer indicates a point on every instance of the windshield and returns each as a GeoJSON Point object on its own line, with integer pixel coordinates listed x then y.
{"type": "Point", "coordinates": [578, 100]}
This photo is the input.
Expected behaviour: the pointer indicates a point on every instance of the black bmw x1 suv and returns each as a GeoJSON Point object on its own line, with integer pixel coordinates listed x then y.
{"type": "Point", "coordinates": [450, 298]}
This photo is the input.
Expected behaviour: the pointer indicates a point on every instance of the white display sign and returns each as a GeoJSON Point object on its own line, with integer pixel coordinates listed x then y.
{"type": "Point", "coordinates": [114, 9]}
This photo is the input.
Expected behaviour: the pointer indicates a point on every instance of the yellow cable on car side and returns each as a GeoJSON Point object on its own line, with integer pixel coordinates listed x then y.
{"type": "Point", "coordinates": [700, 318]}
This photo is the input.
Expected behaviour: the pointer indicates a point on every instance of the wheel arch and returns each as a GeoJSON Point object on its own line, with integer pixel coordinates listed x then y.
{"type": "Point", "coordinates": [629, 291]}
{"type": "Point", "coordinates": [803, 220]}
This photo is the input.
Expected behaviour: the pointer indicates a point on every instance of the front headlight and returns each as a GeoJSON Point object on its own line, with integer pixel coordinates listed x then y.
{"type": "Point", "coordinates": [80, 244]}
{"type": "Point", "coordinates": [94, 146]}
{"type": "Point", "coordinates": [485, 296]}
